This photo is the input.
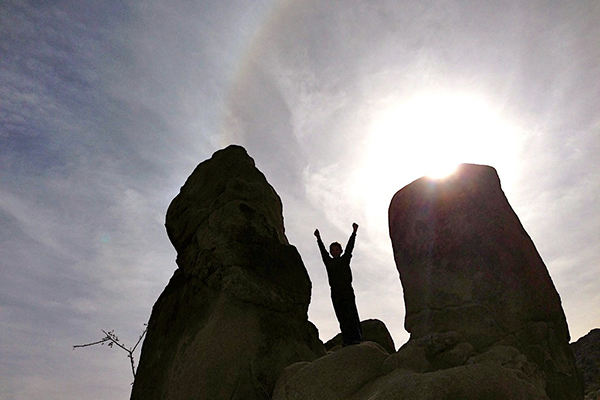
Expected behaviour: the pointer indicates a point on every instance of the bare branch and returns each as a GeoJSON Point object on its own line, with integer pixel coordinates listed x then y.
{"type": "Point", "coordinates": [113, 339]}
{"type": "Point", "coordinates": [140, 339]}
{"type": "Point", "coordinates": [90, 344]}
{"type": "Point", "coordinates": [132, 365]}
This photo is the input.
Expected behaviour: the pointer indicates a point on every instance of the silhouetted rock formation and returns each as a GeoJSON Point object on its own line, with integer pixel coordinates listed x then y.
{"type": "Point", "coordinates": [373, 330]}
{"type": "Point", "coordinates": [336, 376]}
{"type": "Point", "coordinates": [485, 319]}
{"type": "Point", "coordinates": [587, 358]}
{"type": "Point", "coordinates": [234, 314]}
{"type": "Point", "coordinates": [475, 288]}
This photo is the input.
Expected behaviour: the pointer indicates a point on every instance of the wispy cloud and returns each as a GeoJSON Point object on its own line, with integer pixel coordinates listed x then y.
{"type": "Point", "coordinates": [106, 108]}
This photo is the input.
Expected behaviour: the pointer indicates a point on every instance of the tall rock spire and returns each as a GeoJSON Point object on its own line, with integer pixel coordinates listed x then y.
{"type": "Point", "coordinates": [234, 314]}
{"type": "Point", "coordinates": [467, 266]}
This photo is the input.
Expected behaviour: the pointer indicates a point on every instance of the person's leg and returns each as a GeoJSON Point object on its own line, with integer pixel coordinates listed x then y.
{"type": "Point", "coordinates": [354, 323]}
{"type": "Point", "coordinates": [340, 308]}
{"type": "Point", "coordinates": [347, 315]}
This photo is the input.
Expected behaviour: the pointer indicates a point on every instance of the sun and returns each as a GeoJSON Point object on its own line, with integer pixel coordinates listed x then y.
{"type": "Point", "coordinates": [430, 134]}
{"type": "Point", "coordinates": [434, 133]}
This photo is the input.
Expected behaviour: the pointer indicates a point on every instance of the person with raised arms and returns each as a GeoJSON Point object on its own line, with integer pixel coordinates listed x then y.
{"type": "Point", "coordinates": [339, 275]}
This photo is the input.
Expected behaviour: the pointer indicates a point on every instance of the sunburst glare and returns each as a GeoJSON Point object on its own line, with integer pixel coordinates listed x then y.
{"type": "Point", "coordinates": [430, 135]}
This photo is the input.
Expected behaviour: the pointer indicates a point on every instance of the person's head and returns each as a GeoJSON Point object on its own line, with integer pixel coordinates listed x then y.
{"type": "Point", "coordinates": [335, 249]}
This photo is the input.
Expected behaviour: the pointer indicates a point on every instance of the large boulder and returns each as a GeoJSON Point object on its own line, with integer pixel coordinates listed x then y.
{"type": "Point", "coordinates": [337, 376]}
{"type": "Point", "coordinates": [234, 314]}
{"type": "Point", "coordinates": [587, 358]}
{"type": "Point", "coordinates": [468, 268]}
{"type": "Point", "coordinates": [373, 330]}
{"type": "Point", "coordinates": [485, 319]}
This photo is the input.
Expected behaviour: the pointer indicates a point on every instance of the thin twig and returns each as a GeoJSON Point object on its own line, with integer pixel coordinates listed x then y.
{"type": "Point", "coordinates": [111, 336]}
{"type": "Point", "coordinates": [114, 339]}
{"type": "Point", "coordinates": [90, 344]}
{"type": "Point", "coordinates": [133, 349]}
{"type": "Point", "coordinates": [140, 338]}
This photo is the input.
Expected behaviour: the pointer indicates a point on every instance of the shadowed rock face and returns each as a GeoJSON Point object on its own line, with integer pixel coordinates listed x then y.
{"type": "Point", "coordinates": [234, 314]}
{"type": "Point", "coordinates": [373, 330]}
{"type": "Point", "coordinates": [587, 358]}
{"type": "Point", "coordinates": [467, 266]}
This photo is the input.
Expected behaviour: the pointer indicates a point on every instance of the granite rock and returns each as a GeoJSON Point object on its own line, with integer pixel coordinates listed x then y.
{"type": "Point", "coordinates": [234, 314]}
{"type": "Point", "coordinates": [468, 267]}
{"type": "Point", "coordinates": [587, 358]}
{"type": "Point", "coordinates": [373, 330]}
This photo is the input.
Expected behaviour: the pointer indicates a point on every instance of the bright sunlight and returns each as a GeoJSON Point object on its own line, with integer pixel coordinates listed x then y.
{"type": "Point", "coordinates": [429, 135]}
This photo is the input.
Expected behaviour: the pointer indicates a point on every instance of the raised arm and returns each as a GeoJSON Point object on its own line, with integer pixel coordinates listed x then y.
{"type": "Point", "coordinates": [324, 253]}
{"type": "Point", "coordinates": [351, 240]}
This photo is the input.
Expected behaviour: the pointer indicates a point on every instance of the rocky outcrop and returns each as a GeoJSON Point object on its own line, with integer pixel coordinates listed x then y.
{"type": "Point", "coordinates": [336, 376]}
{"type": "Point", "coordinates": [234, 314]}
{"type": "Point", "coordinates": [587, 358]}
{"type": "Point", "coordinates": [373, 330]}
{"type": "Point", "coordinates": [474, 281]}
{"type": "Point", "coordinates": [367, 372]}
{"type": "Point", "coordinates": [485, 319]}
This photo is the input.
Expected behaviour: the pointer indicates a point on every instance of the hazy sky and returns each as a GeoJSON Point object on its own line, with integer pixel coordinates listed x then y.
{"type": "Point", "coordinates": [107, 107]}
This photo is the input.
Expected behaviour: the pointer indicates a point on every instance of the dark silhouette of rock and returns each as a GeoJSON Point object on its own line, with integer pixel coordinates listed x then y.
{"type": "Point", "coordinates": [234, 314]}
{"type": "Point", "coordinates": [485, 319]}
{"type": "Point", "coordinates": [373, 330]}
{"type": "Point", "coordinates": [475, 284]}
{"type": "Point", "coordinates": [336, 376]}
{"type": "Point", "coordinates": [587, 358]}
{"type": "Point", "coordinates": [366, 371]}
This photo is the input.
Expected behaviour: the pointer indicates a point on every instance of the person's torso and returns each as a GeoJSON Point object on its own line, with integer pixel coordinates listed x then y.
{"type": "Point", "coordinates": [339, 274]}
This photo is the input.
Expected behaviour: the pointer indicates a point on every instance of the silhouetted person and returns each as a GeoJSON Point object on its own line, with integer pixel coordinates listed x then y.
{"type": "Point", "coordinates": [340, 281]}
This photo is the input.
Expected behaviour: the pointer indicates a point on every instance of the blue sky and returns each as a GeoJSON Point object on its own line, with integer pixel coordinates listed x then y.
{"type": "Point", "coordinates": [107, 107]}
